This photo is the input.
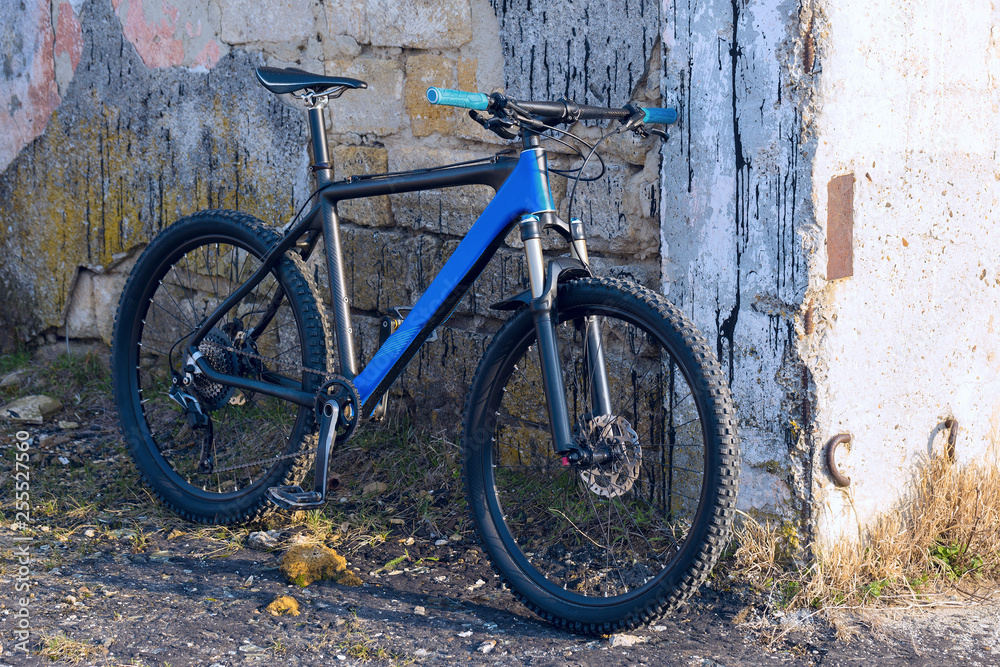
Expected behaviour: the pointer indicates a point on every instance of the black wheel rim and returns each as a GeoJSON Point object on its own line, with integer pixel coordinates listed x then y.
{"type": "Point", "coordinates": [573, 542]}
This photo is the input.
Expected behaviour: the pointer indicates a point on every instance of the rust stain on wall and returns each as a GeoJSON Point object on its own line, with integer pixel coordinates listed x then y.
{"type": "Point", "coordinates": [840, 227]}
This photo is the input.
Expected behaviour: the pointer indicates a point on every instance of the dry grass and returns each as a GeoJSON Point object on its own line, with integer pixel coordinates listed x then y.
{"type": "Point", "coordinates": [944, 538]}
{"type": "Point", "coordinates": [60, 647]}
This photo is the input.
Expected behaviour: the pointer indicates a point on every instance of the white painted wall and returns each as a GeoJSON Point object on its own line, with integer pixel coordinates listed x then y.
{"type": "Point", "coordinates": [908, 101]}
{"type": "Point", "coordinates": [735, 199]}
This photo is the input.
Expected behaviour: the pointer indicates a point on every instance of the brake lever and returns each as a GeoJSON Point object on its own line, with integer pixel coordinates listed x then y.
{"type": "Point", "coordinates": [644, 132]}
{"type": "Point", "coordinates": [496, 125]}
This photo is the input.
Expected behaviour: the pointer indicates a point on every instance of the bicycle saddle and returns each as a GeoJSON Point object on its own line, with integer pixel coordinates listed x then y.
{"type": "Point", "coordinates": [290, 80]}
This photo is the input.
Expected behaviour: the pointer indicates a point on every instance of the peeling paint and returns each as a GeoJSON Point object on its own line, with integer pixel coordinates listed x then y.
{"type": "Point", "coordinates": [28, 89]}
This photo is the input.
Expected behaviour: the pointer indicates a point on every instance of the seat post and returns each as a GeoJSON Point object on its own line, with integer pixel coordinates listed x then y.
{"type": "Point", "coordinates": [321, 155]}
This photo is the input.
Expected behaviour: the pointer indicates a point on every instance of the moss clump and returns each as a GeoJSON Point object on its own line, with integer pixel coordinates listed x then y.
{"type": "Point", "coordinates": [284, 605]}
{"type": "Point", "coordinates": [307, 563]}
{"type": "Point", "coordinates": [348, 578]}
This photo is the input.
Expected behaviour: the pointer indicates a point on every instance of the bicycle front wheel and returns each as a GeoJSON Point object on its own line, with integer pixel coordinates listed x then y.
{"type": "Point", "coordinates": [606, 546]}
{"type": "Point", "coordinates": [217, 472]}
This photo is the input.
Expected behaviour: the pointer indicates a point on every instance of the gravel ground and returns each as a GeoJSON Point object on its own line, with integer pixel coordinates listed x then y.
{"type": "Point", "coordinates": [116, 580]}
{"type": "Point", "coordinates": [177, 603]}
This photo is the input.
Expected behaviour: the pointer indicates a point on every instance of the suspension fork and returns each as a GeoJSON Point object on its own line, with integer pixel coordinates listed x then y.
{"type": "Point", "coordinates": [597, 370]}
{"type": "Point", "coordinates": [545, 315]}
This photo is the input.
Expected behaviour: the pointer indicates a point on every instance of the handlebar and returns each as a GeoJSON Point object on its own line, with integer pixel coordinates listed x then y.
{"type": "Point", "coordinates": [562, 110]}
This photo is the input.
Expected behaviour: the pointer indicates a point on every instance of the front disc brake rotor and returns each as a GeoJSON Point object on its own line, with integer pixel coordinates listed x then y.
{"type": "Point", "coordinates": [618, 473]}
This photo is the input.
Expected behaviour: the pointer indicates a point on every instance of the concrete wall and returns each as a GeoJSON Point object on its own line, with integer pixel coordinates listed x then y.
{"type": "Point", "coordinates": [908, 102]}
{"type": "Point", "coordinates": [736, 216]}
{"type": "Point", "coordinates": [828, 220]}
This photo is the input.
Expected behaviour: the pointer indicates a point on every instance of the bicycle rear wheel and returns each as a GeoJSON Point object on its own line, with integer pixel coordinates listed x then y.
{"type": "Point", "coordinates": [604, 547]}
{"type": "Point", "coordinates": [219, 473]}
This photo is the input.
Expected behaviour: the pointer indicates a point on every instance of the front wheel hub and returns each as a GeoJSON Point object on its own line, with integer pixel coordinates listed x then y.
{"type": "Point", "coordinates": [616, 455]}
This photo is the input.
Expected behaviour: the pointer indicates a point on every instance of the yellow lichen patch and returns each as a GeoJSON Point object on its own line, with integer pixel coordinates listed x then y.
{"type": "Point", "coordinates": [283, 605]}
{"type": "Point", "coordinates": [307, 563]}
{"type": "Point", "coordinates": [102, 180]}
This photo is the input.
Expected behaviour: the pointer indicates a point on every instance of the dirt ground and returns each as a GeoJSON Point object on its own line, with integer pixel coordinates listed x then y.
{"type": "Point", "coordinates": [116, 580]}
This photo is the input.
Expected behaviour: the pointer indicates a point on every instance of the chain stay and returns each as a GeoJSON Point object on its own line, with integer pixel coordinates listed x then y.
{"type": "Point", "coordinates": [281, 457]}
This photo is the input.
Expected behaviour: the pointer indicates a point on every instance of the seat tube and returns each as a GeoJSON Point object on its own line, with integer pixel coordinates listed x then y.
{"type": "Point", "coordinates": [331, 240]}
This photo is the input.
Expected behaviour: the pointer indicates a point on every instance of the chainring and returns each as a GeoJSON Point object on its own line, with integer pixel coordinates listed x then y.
{"type": "Point", "coordinates": [615, 476]}
{"type": "Point", "coordinates": [346, 394]}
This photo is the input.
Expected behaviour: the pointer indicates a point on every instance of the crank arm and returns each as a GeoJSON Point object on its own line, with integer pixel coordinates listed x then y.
{"type": "Point", "coordinates": [293, 497]}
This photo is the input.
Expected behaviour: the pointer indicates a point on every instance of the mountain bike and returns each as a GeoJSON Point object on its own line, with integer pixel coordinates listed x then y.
{"type": "Point", "coordinates": [601, 459]}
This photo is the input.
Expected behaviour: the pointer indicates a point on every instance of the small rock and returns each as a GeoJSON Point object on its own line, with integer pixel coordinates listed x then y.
{"type": "Point", "coordinates": [49, 442]}
{"type": "Point", "coordinates": [659, 628]}
{"type": "Point", "coordinates": [455, 538]}
{"type": "Point", "coordinates": [263, 540]}
{"type": "Point", "coordinates": [67, 425]}
{"type": "Point", "coordinates": [624, 640]}
{"type": "Point", "coordinates": [487, 646]}
{"type": "Point", "coordinates": [283, 605]}
{"type": "Point", "coordinates": [467, 633]}
{"type": "Point", "coordinates": [420, 611]}
{"type": "Point", "coordinates": [123, 533]}
{"type": "Point", "coordinates": [90, 532]}
{"type": "Point", "coordinates": [305, 564]}
{"type": "Point", "coordinates": [421, 653]}
{"type": "Point", "coordinates": [396, 522]}
{"type": "Point", "coordinates": [31, 409]}
{"type": "Point", "coordinates": [375, 487]}
{"type": "Point", "coordinates": [251, 648]}
{"type": "Point", "coordinates": [440, 543]}
{"type": "Point", "coordinates": [70, 599]}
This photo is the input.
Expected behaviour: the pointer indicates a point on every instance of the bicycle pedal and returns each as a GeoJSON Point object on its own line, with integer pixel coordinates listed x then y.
{"type": "Point", "coordinates": [294, 498]}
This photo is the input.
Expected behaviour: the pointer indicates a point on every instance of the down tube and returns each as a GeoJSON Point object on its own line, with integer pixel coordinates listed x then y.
{"type": "Point", "coordinates": [524, 191]}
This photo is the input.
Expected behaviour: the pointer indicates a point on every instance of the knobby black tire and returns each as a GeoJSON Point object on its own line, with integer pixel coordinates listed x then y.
{"type": "Point", "coordinates": [185, 272]}
{"type": "Point", "coordinates": [615, 546]}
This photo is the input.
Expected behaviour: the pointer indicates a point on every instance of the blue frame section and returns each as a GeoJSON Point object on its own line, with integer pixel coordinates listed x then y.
{"type": "Point", "coordinates": [525, 191]}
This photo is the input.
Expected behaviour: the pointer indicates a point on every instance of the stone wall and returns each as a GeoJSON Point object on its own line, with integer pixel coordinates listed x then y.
{"type": "Point", "coordinates": [128, 115]}
{"type": "Point", "coordinates": [823, 211]}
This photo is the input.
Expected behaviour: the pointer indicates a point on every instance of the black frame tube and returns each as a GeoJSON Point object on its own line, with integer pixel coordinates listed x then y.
{"type": "Point", "coordinates": [493, 174]}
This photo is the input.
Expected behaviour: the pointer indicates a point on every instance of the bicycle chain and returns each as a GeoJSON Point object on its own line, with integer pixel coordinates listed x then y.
{"type": "Point", "coordinates": [281, 457]}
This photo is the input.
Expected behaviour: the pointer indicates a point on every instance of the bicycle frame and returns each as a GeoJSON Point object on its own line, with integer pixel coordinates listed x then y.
{"type": "Point", "coordinates": [522, 194]}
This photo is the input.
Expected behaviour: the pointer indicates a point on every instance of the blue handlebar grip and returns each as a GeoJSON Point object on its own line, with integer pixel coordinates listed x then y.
{"type": "Point", "coordinates": [458, 98]}
{"type": "Point", "coordinates": [665, 116]}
